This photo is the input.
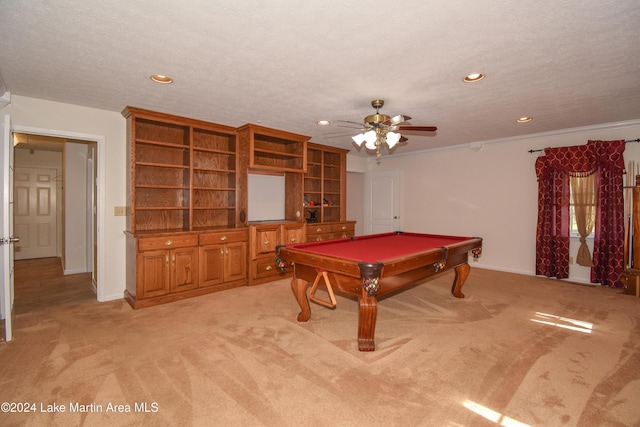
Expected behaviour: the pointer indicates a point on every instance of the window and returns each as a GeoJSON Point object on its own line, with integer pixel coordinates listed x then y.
{"type": "Point", "coordinates": [574, 225]}
{"type": "Point", "coordinates": [582, 204]}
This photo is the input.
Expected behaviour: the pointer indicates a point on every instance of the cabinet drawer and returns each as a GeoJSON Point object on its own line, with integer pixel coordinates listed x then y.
{"type": "Point", "coordinates": [320, 237]}
{"type": "Point", "coordinates": [291, 235]}
{"type": "Point", "coordinates": [227, 237]}
{"type": "Point", "coordinates": [167, 242]}
{"type": "Point", "coordinates": [343, 228]}
{"type": "Point", "coordinates": [264, 267]}
{"type": "Point", "coordinates": [340, 231]}
{"type": "Point", "coordinates": [313, 229]}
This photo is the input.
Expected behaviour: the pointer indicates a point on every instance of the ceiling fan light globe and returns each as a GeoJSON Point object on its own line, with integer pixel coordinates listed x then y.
{"type": "Point", "coordinates": [358, 139]}
{"type": "Point", "coordinates": [392, 139]}
{"type": "Point", "coordinates": [371, 145]}
{"type": "Point", "coordinates": [370, 137]}
{"type": "Point", "coordinates": [399, 119]}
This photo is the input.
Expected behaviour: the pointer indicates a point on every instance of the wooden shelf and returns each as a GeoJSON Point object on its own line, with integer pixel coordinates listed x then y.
{"type": "Point", "coordinates": [179, 165]}
{"type": "Point", "coordinates": [274, 150]}
{"type": "Point", "coordinates": [325, 180]}
{"type": "Point", "coordinates": [212, 150]}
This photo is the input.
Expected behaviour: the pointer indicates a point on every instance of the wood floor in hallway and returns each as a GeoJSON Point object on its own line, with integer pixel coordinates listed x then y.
{"type": "Point", "coordinates": [40, 283]}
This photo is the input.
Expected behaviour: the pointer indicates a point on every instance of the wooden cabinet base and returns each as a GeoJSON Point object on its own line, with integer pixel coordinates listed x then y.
{"type": "Point", "coordinates": [150, 302]}
{"type": "Point", "coordinates": [167, 267]}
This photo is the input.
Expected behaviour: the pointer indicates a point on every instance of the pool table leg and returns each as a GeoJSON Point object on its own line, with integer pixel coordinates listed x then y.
{"type": "Point", "coordinates": [462, 272]}
{"type": "Point", "coordinates": [299, 288]}
{"type": "Point", "coordinates": [367, 322]}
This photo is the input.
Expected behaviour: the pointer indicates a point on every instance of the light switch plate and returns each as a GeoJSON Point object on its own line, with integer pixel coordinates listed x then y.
{"type": "Point", "coordinates": [119, 210]}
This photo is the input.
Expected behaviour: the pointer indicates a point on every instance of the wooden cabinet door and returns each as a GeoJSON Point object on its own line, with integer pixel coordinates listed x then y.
{"type": "Point", "coordinates": [267, 240]}
{"type": "Point", "coordinates": [184, 269]}
{"type": "Point", "coordinates": [154, 273]}
{"type": "Point", "coordinates": [235, 261]}
{"type": "Point", "coordinates": [212, 264]}
{"type": "Point", "coordinates": [223, 263]}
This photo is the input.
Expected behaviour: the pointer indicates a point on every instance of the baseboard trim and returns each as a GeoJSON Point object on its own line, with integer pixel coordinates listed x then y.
{"type": "Point", "coordinates": [74, 271]}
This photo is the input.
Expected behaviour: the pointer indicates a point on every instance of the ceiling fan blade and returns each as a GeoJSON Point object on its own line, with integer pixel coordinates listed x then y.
{"type": "Point", "coordinates": [348, 121]}
{"type": "Point", "coordinates": [332, 136]}
{"type": "Point", "coordinates": [340, 133]}
{"type": "Point", "coordinates": [403, 139]}
{"type": "Point", "coordinates": [356, 128]}
{"type": "Point", "coordinates": [418, 128]}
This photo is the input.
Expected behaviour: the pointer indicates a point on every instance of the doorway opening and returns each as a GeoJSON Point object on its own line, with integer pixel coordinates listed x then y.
{"type": "Point", "coordinates": [55, 207]}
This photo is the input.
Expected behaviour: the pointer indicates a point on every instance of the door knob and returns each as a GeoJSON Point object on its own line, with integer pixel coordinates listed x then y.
{"type": "Point", "coordinates": [6, 241]}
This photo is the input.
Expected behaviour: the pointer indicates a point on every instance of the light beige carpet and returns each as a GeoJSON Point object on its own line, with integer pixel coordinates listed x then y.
{"type": "Point", "coordinates": [517, 351]}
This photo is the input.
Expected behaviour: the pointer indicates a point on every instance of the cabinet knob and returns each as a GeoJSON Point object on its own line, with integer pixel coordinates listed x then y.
{"type": "Point", "coordinates": [166, 260]}
{"type": "Point", "coordinates": [293, 240]}
{"type": "Point", "coordinates": [318, 230]}
{"type": "Point", "coordinates": [344, 227]}
{"type": "Point", "coordinates": [221, 253]}
{"type": "Point", "coordinates": [269, 268]}
{"type": "Point", "coordinates": [168, 242]}
{"type": "Point", "coordinates": [266, 242]}
{"type": "Point", "coordinates": [223, 238]}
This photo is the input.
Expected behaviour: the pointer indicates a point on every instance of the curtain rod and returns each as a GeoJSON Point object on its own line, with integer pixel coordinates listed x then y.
{"type": "Point", "coordinates": [628, 140]}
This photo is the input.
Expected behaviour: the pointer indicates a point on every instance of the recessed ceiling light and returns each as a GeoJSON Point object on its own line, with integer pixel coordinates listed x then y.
{"type": "Point", "coordinates": [159, 78]}
{"type": "Point", "coordinates": [474, 77]}
{"type": "Point", "coordinates": [323, 122]}
{"type": "Point", "coordinates": [524, 119]}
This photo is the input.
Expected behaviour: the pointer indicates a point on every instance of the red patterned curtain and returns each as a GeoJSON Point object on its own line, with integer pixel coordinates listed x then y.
{"type": "Point", "coordinates": [605, 159]}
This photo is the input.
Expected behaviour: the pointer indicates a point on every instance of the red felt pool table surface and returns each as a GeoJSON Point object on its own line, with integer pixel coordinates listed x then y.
{"type": "Point", "coordinates": [379, 247]}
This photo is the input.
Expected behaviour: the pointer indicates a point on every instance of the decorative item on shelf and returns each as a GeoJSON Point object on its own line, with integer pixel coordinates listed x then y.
{"type": "Point", "coordinates": [312, 216]}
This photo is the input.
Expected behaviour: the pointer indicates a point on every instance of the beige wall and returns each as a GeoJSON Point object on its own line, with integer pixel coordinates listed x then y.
{"type": "Point", "coordinates": [355, 196]}
{"type": "Point", "coordinates": [491, 193]}
{"type": "Point", "coordinates": [75, 211]}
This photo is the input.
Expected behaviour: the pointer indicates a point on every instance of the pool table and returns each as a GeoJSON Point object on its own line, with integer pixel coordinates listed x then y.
{"type": "Point", "coordinates": [372, 267]}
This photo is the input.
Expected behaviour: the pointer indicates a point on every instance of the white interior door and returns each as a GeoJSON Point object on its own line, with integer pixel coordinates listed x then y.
{"type": "Point", "coordinates": [382, 202]}
{"type": "Point", "coordinates": [6, 234]}
{"type": "Point", "coordinates": [34, 211]}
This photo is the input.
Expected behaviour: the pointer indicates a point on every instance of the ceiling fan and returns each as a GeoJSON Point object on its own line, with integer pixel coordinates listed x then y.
{"type": "Point", "coordinates": [380, 128]}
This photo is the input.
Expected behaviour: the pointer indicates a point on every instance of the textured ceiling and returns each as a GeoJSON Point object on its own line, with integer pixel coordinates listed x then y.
{"type": "Point", "coordinates": [287, 64]}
